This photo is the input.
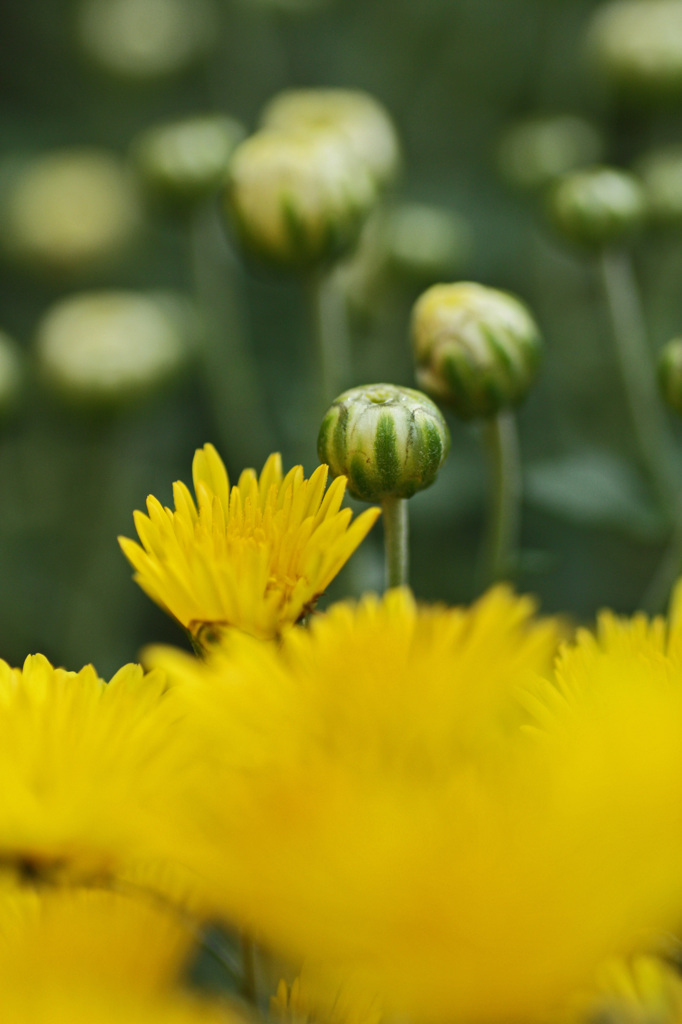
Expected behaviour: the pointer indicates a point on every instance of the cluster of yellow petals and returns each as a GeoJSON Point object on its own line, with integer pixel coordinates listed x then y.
{"type": "Point", "coordinates": [83, 765]}
{"type": "Point", "coordinates": [642, 989]}
{"type": "Point", "coordinates": [255, 556]}
{"type": "Point", "coordinates": [78, 957]}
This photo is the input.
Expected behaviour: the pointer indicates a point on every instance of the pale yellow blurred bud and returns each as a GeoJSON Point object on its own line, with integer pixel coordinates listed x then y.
{"type": "Point", "coordinates": [298, 198]}
{"type": "Point", "coordinates": [69, 210]}
{"type": "Point", "coordinates": [637, 44]}
{"type": "Point", "coordinates": [534, 151]}
{"type": "Point", "coordinates": [104, 349]}
{"type": "Point", "coordinates": [355, 116]}
{"type": "Point", "coordinates": [145, 39]}
{"type": "Point", "coordinates": [660, 171]}
{"type": "Point", "coordinates": [185, 161]}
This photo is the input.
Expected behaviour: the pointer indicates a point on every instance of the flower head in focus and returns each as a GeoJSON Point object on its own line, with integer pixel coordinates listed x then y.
{"type": "Point", "coordinates": [255, 556]}
{"type": "Point", "coordinates": [83, 765]}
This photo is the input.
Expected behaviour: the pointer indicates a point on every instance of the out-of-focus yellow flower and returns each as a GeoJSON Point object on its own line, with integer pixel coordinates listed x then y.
{"type": "Point", "coordinates": [83, 766]}
{"type": "Point", "coordinates": [305, 1002]}
{"type": "Point", "coordinates": [74, 957]}
{"type": "Point", "coordinates": [379, 802]}
{"type": "Point", "coordinates": [255, 556]}
{"type": "Point", "coordinates": [642, 989]}
{"type": "Point", "coordinates": [68, 936]}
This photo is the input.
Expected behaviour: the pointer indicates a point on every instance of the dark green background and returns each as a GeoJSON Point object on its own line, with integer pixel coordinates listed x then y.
{"type": "Point", "coordinates": [453, 74]}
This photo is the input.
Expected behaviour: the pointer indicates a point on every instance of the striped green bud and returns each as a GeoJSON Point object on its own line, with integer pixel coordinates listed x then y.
{"type": "Point", "coordinates": [145, 40]}
{"type": "Point", "coordinates": [597, 207]}
{"type": "Point", "coordinates": [298, 198]}
{"type": "Point", "coordinates": [70, 211]}
{"type": "Point", "coordinates": [670, 374]}
{"type": "Point", "coordinates": [186, 161]}
{"type": "Point", "coordinates": [354, 116]}
{"type": "Point", "coordinates": [637, 45]}
{"type": "Point", "coordinates": [476, 349]}
{"type": "Point", "coordinates": [108, 348]}
{"type": "Point", "coordinates": [388, 441]}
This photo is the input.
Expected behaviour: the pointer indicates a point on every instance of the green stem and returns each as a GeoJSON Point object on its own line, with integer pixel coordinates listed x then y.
{"type": "Point", "coordinates": [657, 593]}
{"type": "Point", "coordinates": [332, 343]}
{"type": "Point", "coordinates": [396, 541]}
{"type": "Point", "coordinates": [232, 381]}
{"type": "Point", "coordinates": [646, 410]}
{"type": "Point", "coordinates": [501, 440]}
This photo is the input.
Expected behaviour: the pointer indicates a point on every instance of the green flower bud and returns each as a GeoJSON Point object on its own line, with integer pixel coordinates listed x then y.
{"type": "Point", "coordinates": [298, 198]}
{"type": "Point", "coordinates": [637, 44]}
{"type": "Point", "coordinates": [535, 151]}
{"type": "Point", "coordinates": [476, 349]}
{"type": "Point", "coordinates": [425, 242]}
{"type": "Point", "coordinates": [145, 39]}
{"type": "Point", "coordinates": [70, 210]}
{"type": "Point", "coordinates": [389, 441]}
{"type": "Point", "coordinates": [186, 161]}
{"type": "Point", "coordinates": [11, 374]}
{"type": "Point", "coordinates": [670, 374]}
{"type": "Point", "coordinates": [598, 206]}
{"type": "Point", "coordinates": [105, 349]}
{"type": "Point", "coordinates": [355, 116]}
{"type": "Point", "coordinates": [661, 174]}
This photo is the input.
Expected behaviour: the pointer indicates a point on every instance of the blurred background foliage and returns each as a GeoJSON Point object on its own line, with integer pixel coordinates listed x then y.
{"type": "Point", "coordinates": [454, 75]}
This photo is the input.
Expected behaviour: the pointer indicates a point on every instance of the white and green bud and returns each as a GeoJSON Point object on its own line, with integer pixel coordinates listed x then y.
{"type": "Point", "coordinates": [145, 40]}
{"type": "Point", "coordinates": [670, 374]}
{"type": "Point", "coordinates": [11, 374]}
{"type": "Point", "coordinates": [355, 116]}
{"type": "Point", "coordinates": [184, 162]}
{"type": "Point", "coordinates": [106, 349]}
{"type": "Point", "coordinates": [298, 198]}
{"type": "Point", "coordinates": [70, 211]}
{"type": "Point", "coordinates": [535, 151]}
{"type": "Point", "coordinates": [637, 45]}
{"type": "Point", "coordinates": [597, 207]}
{"type": "Point", "coordinates": [426, 243]}
{"type": "Point", "coordinates": [476, 349]}
{"type": "Point", "coordinates": [389, 441]}
{"type": "Point", "coordinates": [661, 173]}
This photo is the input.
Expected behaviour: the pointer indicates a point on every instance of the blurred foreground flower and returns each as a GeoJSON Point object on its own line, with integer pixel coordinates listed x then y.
{"type": "Point", "coordinates": [255, 556]}
{"type": "Point", "coordinates": [78, 957]}
{"type": "Point", "coordinates": [638, 990]}
{"type": "Point", "coordinates": [69, 210]}
{"type": "Point", "coordinates": [145, 39]}
{"type": "Point", "coordinates": [298, 197]}
{"type": "Point", "coordinates": [106, 349]}
{"type": "Point", "coordinates": [375, 806]}
{"type": "Point", "coordinates": [84, 765]}
{"type": "Point", "coordinates": [354, 116]}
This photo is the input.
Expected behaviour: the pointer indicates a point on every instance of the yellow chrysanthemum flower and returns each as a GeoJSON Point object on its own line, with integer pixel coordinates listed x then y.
{"type": "Point", "coordinates": [71, 956]}
{"type": "Point", "coordinates": [643, 989]}
{"type": "Point", "coordinates": [97, 937]}
{"type": "Point", "coordinates": [255, 556]}
{"type": "Point", "coordinates": [83, 765]}
{"type": "Point", "coordinates": [308, 1001]}
{"type": "Point", "coordinates": [378, 803]}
